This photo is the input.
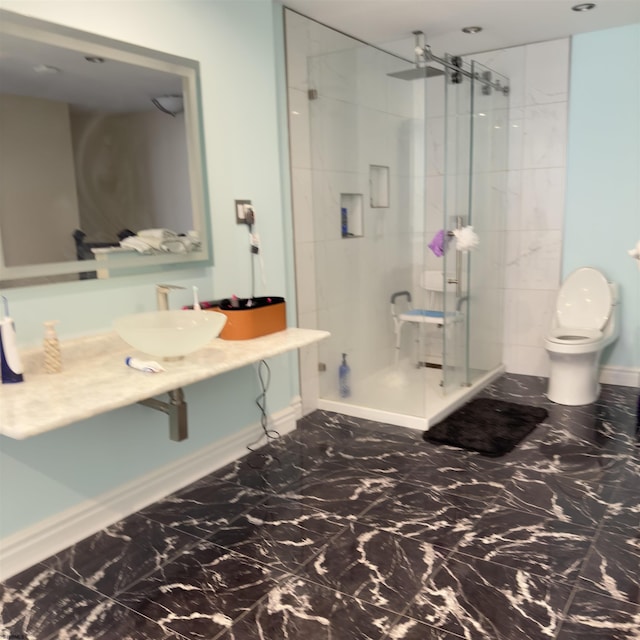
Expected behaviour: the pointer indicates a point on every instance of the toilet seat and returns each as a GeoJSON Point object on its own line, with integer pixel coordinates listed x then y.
{"type": "Point", "coordinates": [567, 335]}
{"type": "Point", "coordinates": [584, 301]}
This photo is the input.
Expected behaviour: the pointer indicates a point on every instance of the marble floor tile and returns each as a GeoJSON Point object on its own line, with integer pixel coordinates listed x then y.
{"type": "Point", "coordinates": [530, 542]}
{"type": "Point", "coordinates": [595, 617]}
{"type": "Point", "coordinates": [474, 477]}
{"type": "Point", "coordinates": [112, 559]}
{"type": "Point", "coordinates": [281, 533]}
{"type": "Point", "coordinates": [301, 610]}
{"type": "Point", "coordinates": [478, 600]}
{"type": "Point", "coordinates": [202, 508]}
{"type": "Point", "coordinates": [425, 513]}
{"type": "Point", "coordinates": [273, 467]}
{"type": "Point", "coordinates": [562, 498]}
{"type": "Point", "coordinates": [347, 492]}
{"type": "Point", "coordinates": [42, 604]}
{"type": "Point", "coordinates": [623, 513]}
{"type": "Point", "coordinates": [378, 567]}
{"type": "Point", "coordinates": [349, 529]}
{"type": "Point", "coordinates": [613, 567]}
{"type": "Point", "coordinates": [200, 593]}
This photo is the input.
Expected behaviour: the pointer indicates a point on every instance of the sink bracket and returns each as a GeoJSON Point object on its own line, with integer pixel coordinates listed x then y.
{"type": "Point", "coordinates": [176, 409]}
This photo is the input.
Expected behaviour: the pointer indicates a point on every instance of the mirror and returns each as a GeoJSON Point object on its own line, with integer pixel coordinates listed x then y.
{"type": "Point", "coordinates": [101, 158]}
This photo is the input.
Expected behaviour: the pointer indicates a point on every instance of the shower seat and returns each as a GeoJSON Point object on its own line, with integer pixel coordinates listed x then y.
{"type": "Point", "coordinates": [433, 283]}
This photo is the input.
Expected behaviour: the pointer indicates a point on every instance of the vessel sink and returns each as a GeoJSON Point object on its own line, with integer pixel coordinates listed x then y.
{"type": "Point", "coordinates": [170, 334]}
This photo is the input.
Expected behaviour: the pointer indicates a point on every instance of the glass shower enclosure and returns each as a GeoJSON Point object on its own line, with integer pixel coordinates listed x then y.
{"type": "Point", "coordinates": [380, 166]}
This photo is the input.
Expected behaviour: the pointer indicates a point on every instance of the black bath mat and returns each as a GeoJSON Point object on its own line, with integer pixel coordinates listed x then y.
{"type": "Point", "coordinates": [491, 427]}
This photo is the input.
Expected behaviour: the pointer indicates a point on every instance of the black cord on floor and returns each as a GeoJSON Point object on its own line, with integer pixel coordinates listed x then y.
{"type": "Point", "coordinates": [261, 401]}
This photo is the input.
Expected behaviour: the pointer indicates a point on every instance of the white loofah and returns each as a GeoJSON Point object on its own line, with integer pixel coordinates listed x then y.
{"type": "Point", "coordinates": [466, 239]}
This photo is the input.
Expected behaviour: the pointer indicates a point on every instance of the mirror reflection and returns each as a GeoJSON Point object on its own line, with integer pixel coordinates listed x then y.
{"type": "Point", "coordinates": [100, 156]}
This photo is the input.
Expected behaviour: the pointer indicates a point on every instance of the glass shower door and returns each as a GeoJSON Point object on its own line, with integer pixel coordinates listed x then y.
{"type": "Point", "coordinates": [475, 195]}
{"type": "Point", "coordinates": [456, 214]}
{"type": "Point", "coordinates": [487, 214]}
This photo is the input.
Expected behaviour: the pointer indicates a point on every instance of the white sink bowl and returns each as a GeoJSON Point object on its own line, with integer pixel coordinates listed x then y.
{"type": "Point", "coordinates": [170, 334]}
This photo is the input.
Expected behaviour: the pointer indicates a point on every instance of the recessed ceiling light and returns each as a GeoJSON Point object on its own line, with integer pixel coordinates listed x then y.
{"type": "Point", "coordinates": [585, 6]}
{"type": "Point", "coordinates": [96, 59]}
{"type": "Point", "coordinates": [471, 29]}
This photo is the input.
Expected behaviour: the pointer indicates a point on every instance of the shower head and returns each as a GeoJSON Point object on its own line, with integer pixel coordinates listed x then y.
{"type": "Point", "coordinates": [422, 57]}
{"type": "Point", "coordinates": [417, 73]}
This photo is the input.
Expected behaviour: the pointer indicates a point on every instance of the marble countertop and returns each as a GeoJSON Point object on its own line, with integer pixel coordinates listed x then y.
{"type": "Point", "coordinates": [95, 378]}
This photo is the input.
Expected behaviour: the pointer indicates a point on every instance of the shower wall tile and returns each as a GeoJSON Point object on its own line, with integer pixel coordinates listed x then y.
{"type": "Point", "coordinates": [435, 102]}
{"type": "Point", "coordinates": [299, 129]}
{"type": "Point", "coordinates": [302, 196]}
{"type": "Point", "coordinates": [516, 139]}
{"type": "Point", "coordinates": [400, 94]}
{"type": "Point", "coordinates": [372, 149]}
{"type": "Point", "coordinates": [545, 136]}
{"type": "Point", "coordinates": [514, 197]}
{"type": "Point", "coordinates": [535, 259]}
{"type": "Point", "coordinates": [435, 146]}
{"type": "Point", "coordinates": [526, 312]}
{"type": "Point", "coordinates": [510, 63]}
{"type": "Point", "coordinates": [532, 359]}
{"type": "Point", "coordinates": [297, 34]}
{"type": "Point", "coordinates": [435, 202]}
{"type": "Point", "coordinates": [542, 198]}
{"type": "Point", "coordinates": [538, 77]}
{"type": "Point", "coordinates": [305, 262]}
{"type": "Point", "coordinates": [331, 74]}
{"type": "Point", "coordinates": [547, 72]}
{"type": "Point", "coordinates": [334, 134]}
{"type": "Point", "coordinates": [370, 79]}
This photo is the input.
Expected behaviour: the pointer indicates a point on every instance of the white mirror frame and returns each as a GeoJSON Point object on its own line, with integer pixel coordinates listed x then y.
{"type": "Point", "coordinates": [57, 35]}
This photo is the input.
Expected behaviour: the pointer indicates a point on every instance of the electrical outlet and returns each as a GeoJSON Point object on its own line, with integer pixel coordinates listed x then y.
{"type": "Point", "coordinates": [242, 208]}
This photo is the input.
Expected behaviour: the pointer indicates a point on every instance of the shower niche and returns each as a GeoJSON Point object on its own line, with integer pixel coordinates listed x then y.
{"type": "Point", "coordinates": [378, 186]}
{"type": "Point", "coordinates": [351, 225]}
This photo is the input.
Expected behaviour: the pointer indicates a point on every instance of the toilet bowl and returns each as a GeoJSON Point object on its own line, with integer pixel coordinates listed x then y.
{"type": "Point", "coordinates": [584, 323]}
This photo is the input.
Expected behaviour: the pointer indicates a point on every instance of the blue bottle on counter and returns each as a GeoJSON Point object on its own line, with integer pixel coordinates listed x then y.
{"type": "Point", "coordinates": [344, 378]}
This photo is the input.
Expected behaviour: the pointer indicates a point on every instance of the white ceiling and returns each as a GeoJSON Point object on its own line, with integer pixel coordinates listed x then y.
{"type": "Point", "coordinates": [505, 23]}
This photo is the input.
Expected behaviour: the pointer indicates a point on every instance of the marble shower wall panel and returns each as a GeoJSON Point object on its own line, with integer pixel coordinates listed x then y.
{"type": "Point", "coordinates": [539, 78]}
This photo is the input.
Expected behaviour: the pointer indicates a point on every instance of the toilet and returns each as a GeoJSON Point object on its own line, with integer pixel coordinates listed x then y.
{"type": "Point", "coordinates": [584, 323]}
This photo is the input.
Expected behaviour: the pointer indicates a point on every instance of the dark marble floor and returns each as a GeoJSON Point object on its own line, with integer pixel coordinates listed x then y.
{"type": "Point", "coordinates": [349, 529]}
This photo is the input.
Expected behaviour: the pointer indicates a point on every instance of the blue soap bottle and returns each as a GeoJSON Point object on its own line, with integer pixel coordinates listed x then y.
{"type": "Point", "coordinates": [344, 221]}
{"type": "Point", "coordinates": [344, 378]}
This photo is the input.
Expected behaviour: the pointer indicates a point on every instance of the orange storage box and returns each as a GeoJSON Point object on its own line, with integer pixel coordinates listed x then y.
{"type": "Point", "coordinates": [263, 316]}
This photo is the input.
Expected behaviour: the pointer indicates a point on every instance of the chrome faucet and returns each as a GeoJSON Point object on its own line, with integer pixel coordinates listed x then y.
{"type": "Point", "coordinates": [162, 295]}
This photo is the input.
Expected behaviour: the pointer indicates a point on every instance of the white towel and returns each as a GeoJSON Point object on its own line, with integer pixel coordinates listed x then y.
{"type": "Point", "coordinates": [158, 234]}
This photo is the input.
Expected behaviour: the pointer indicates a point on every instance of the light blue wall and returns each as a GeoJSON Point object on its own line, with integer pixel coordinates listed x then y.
{"type": "Point", "coordinates": [238, 46]}
{"type": "Point", "coordinates": [602, 219]}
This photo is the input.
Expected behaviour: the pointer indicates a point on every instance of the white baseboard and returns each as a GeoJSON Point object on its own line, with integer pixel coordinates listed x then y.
{"type": "Point", "coordinates": [24, 548]}
{"type": "Point", "coordinates": [623, 376]}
